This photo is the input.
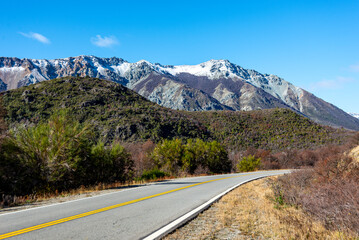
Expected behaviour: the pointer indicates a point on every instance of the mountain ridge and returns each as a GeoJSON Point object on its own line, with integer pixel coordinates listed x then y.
{"type": "Point", "coordinates": [212, 85]}
{"type": "Point", "coordinates": [116, 113]}
{"type": "Point", "coordinates": [356, 115]}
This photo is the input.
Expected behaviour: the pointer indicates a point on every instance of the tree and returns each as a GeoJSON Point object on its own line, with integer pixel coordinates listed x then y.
{"type": "Point", "coordinates": [249, 163]}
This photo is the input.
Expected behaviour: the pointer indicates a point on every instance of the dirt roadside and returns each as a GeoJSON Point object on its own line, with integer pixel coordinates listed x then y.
{"type": "Point", "coordinates": [251, 212]}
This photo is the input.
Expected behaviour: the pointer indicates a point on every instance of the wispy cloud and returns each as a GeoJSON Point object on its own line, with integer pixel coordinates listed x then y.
{"type": "Point", "coordinates": [104, 41]}
{"type": "Point", "coordinates": [338, 82]}
{"type": "Point", "coordinates": [354, 68]}
{"type": "Point", "coordinates": [36, 36]}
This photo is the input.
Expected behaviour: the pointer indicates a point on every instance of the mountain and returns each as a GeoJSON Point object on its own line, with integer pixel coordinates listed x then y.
{"type": "Point", "coordinates": [212, 85]}
{"type": "Point", "coordinates": [117, 113]}
{"type": "Point", "coordinates": [356, 115]}
{"type": "Point", "coordinates": [114, 111]}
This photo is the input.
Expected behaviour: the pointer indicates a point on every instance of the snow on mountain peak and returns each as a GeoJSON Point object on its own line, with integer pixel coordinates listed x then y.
{"type": "Point", "coordinates": [144, 61]}
{"type": "Point", "coordinates": [218, 84]}
{"type": "Point", "coordinates": [212, 69]}
{"type": "Point", "coordinates": [356, 115]}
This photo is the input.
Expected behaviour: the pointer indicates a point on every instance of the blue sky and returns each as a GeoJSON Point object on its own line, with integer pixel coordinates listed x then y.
{"type": "Point", "coordinates": [313, 44]}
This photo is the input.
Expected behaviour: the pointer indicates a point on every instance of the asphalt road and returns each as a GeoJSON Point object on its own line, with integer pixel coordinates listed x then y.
{"type": "Point", "coordinates": [127, 214]}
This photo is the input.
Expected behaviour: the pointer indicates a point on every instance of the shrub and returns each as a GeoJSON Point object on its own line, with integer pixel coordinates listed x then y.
{"type": "Point", "coordinates": [248, 164]}
{"type": "Point", "coordinates": [168, 155]}
{"type": "Point", "coordinates": [153, 174]}
{"type": "Point", "coordinates": [3, 126]}
{"type": "Point", "coordinates": [216, 158]}
{"type": "Point", "coordinates": [140, 155]}
{"type": "Point", "coordinates": [108, 164]}
{"type": "Point", "coordinates": [209, 155]}
{"type": "Point", "coordinates": [47, 154]}
{"type": "Point", "coordinates": [174, 156]}
{"type": "Point", "coordinates": [58, 155]}
{"type": "Point", "coordinates": [194, 155]}
{"type": "Point", "coordinates": [328, 192]}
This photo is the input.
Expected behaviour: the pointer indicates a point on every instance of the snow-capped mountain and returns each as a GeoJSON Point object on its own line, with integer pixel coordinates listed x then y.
{"type": "Point", "coordinates": [356, 115]}
{"type": "Point", "coordinates": [212, 85]}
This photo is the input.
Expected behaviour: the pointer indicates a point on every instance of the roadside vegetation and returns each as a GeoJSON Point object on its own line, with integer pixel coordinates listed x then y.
{"type": "Point", "coordinates": [58, 155]}
{"type": "Point", "coordinates": [318, 202]}
{"type": "Point", "coordinates": [252, 212]}
{"type": "Point", "coordinates": [329, 192]}
{"type": "Point", "coordinates": [194, 156]}
{"type": "Point", "coordinates": [77, 133]}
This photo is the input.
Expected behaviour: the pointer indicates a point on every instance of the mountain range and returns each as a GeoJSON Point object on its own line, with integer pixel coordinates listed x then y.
{"type": "Point", "coordinates": [212, 85]}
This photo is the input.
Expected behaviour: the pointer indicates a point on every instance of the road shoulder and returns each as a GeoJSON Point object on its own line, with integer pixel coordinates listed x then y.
{"type": "Point", "coordinates": [250, 211]}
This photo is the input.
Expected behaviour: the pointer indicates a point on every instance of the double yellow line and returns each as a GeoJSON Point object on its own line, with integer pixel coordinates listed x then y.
{"type": "Point", "coordinates": [62, 220]}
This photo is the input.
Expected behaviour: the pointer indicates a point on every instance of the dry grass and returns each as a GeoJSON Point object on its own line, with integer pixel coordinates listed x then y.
{"type": "Point", "coordinates": [40, 199]}
{"type": "Point", "coordinates": [250, 212]}
{"type": "Point", "coordinates": [354, 153]}
{"type": "Point", "coordinates": [34, 200]}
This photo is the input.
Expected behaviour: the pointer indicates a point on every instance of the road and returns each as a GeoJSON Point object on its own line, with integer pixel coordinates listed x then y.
{"type": "Point", "coordinates": [127, 214]}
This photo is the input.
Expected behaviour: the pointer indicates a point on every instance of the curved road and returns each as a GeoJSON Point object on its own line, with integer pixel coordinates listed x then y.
{"type": "Point", "coordinates": [128, 214]}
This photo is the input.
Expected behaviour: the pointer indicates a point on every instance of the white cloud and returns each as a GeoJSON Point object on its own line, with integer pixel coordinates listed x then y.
{"type": "Point", "coordinates": [354, 68]}
{"type": "Point", "coordinates": [338, 82]}
{"type": "Point", "coordinates": [36, 36]}
{"type": "Point", "coordinates": [104, 41]}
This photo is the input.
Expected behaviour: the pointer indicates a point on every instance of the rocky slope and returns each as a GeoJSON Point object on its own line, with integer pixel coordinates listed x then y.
{"type": "Point", "coordinates": [213, 85]}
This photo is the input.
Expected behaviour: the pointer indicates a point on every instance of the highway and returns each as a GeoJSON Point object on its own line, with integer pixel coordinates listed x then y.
{"type": "Point", "coordinates": [133, 213]}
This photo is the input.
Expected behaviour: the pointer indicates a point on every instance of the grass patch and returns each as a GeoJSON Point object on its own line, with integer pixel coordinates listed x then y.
{"type": "Point", "coordinates": [249, 212]}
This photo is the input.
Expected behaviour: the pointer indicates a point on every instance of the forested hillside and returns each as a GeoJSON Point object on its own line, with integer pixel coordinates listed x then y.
{"type": "Point", "coordinates": [117, 113]}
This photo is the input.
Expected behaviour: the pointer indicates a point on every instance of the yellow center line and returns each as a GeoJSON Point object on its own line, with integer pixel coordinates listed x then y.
{"type": "Point", "coordinates": [66, 219]}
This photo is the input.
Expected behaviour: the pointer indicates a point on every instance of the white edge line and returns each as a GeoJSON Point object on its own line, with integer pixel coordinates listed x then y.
{"type": "Point", "coordinates": [85, 198]}
{"type": "Point", "coordinates": [80, 199]}
{"type": "Point", "coordinates": [192, 214]}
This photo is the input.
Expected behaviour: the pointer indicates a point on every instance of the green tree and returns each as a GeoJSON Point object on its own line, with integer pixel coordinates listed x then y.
{"type": "Point", "coordinates": [217, 158]}
{"type": "Point", "coordinates": [51, 152]}
{"type": "Point", "coordinates": [249, 163]}
{"type": "Point", "coordinates": [173, 156]}
{"type": "Point", "coordinates": [59, 155]}
{"type": "Point", "coordinates": [168, 155]}
{"type": "Point", "coordinates": [194, 155]}
{"type": "Point", "coordinates": [109, 163]}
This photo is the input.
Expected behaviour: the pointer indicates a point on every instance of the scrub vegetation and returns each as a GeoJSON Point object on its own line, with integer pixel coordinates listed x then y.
{"type": "Point", "coordinates": [175, 156]}
{"type": "Point", "coordinates": [329, 192]}
{"type": "Point", "coordinates": [59, 155]}
{"type": "Point", "coordinates": [250, 212]}
{"type": "Point", "coordinates": [75, 132]}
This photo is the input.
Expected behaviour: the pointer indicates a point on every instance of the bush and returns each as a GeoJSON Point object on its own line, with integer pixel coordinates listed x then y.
{"type": "Point", "coordinates": [108, 164]}
{"type": "Point", "coordinates": [168, 155]}
{"type": "Point", "coordinates": [329, 192]}
{"type": "Point", "coordinates": [175, 156]}
{"type": "Point", "coordinates": [216, 158]}
{"type": "Point", "coordinates": [58, 155]}
{"type": "Point", "coordinates": [248, 164]}
{"type": "Point", "coordinates": [140, 155]}
{"type": "Point", "coordinates": [47, 155]}
{"type": "Point", "coordinates": [3, 126]}
{"type": "Point", "coordinates": [153, 174]}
